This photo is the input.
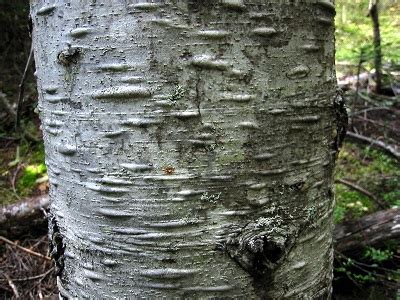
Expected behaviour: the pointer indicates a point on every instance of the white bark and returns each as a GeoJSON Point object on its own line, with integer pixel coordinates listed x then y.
{"type": "Point", "coordinates": [190, 146]}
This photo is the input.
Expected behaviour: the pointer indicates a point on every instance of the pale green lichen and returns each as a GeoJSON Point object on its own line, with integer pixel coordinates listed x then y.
{"type": "Point", "coordinates": [237, 157]}
{"type": "Point", "coordinates": [212, 198]}
{"type": "Point", "coordinates": [268, 222]}
{"type": "Point", "coordinates": [177, 93]}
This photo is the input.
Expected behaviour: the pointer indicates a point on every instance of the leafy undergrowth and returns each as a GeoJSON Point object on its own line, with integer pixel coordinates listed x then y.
{"type": "Point", "coordinates": [354, 30]}
{"type": "Point", "coordinates": [371, 273]}
{"type": "Point", "coordinates": [22, 172]}
{"type": "Point", "coordinates": [373, 171]}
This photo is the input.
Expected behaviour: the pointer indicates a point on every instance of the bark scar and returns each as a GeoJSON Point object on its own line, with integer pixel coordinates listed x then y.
{"type": "Point", "coordinates": [198, 96]}
{"type": "Point", "coordinates": [340, 111]}
{"type": "Point", "coordinates": [261, 246]}
{"type": "Point", "coordinates": [57, 247]}
{"type": "Point", "coordinates": [68, 56]}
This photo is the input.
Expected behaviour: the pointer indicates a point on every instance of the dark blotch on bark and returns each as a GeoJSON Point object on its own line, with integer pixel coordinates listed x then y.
{"type": "Point", "coordinates": [259, 252]}
{"type": "Point", "coordinates": [259, 255]}
{"type": "Point", "coordinates": [68, 56]}
{"type": "Point", "coordinates": [57, 247]}
{"type": "Point", "coordinates": [341, 116]}
{"type": "Point", "coordinates": [195, 5]}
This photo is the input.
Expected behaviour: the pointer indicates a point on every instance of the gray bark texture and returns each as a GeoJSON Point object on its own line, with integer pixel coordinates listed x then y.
{"type": "Point", "coordinates": [190, 146]}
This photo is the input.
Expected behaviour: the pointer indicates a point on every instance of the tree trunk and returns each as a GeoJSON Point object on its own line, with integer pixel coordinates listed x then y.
{"type": "Point", "coordinates": [190, 146]}
{"type": "Point", "coordinates": [374, 13]}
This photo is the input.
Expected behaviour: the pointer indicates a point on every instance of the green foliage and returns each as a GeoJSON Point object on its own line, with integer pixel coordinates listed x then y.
{"type": "Point", "coordinates": [29, 178]}
{"type": "Point", "coordinates": [354, 31]}
{"type": "Point", "coordinates": [22, 169]}
{"type": "Point", "coordinates": [370, 169]}
{"type": "Point", "coordinates": [347, 267]}
{"type": "Point", "coordinates": [350, 203]}
{"type": "Point", "coordinates": [339, 212]}
{"type": "Point", "coordinates": [392, 197]}
{"type": "Point", "coordinates": [363, 278]}
{"type": "Point", "coordinates": [379, 174]}
{"type": "Point", "coordinates": [378, 255]}
{"type": "Point", "coordinates": [368, 268]}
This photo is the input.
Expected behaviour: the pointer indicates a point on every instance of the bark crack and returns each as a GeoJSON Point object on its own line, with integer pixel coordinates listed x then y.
{"type": "Point", "coordinates": [341, 116]}
{"type": "Point", "coordinates": [57, 247]}
{"type": "Point", "coordinates": [198, 96]}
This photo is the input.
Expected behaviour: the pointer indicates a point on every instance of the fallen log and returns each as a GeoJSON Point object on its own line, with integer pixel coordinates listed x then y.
{"type": "Point", "coordinates": [372, 230]}
{"type": "Point", "coordinates": [24, 218]}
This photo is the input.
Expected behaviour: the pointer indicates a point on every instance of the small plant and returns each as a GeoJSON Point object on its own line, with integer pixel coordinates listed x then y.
{"type": "Point", "coordinates": [349, 268]}
{"type": "Point", "coordinates": [350, 203]}
{"type": "Point", "coordinates": [378, 255]}
{"type": "Point", "coordinates": [30, 177]}
{"type": "Point", "coordinates": [339, 213]}
{"type": "Point", "coordinates": [364, 278]}
{"type": "Point", "coordinates": [374, 266]}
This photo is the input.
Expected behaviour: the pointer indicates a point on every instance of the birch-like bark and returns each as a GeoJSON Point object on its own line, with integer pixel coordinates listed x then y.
{"type": "Point", "coordinates": [190, 146]}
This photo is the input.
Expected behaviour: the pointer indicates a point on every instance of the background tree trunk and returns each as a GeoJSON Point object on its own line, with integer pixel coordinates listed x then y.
{"type": "Point", "coordinates": [190, 146]}
{"type": "Point", "coordinates": [374, 13]}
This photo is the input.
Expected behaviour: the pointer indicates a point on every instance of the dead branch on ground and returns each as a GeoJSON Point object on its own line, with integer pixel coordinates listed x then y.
{"type": "Point", "coordinates": [374, 143]}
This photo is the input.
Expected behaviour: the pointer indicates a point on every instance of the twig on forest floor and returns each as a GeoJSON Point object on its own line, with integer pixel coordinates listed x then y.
{"type": "Point", "coordinates": [356, 284]}
{"type": "Point", "coordinates": [8, 138]}
{"type": "Point", "coordinates": [22, 86]}
{"type": "Point", "coordinates": [362, 267]}
{"type": "Point", "coordinates": [41, 240]}
{"type": "Point", "coordinates": [28, 273]}
{"type": "Point", "coordinates": [375, 143]}
{"type": "Point", "coordinates": [362, 191]}
{"type": "Point", "coordinates": [371, 121]}
{"type": "Point", "coordinates": [14, 179]}
{"type": "Point", "coordinates": [12, 285]}
{"type": "Point", "coordinates": [40, 276]}
{"type": "Point", "coordinates": [337, 253]}
{"type": "Point", "coordinates": [371, 109]}
{"type": "Point", "coordinates": [367, 99]}
{"type": "Point", "coordinates": [7, 241]}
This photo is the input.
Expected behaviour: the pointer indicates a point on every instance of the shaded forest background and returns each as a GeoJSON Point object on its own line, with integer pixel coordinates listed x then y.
{"type": "Point", "coordinates": [367, 177]}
